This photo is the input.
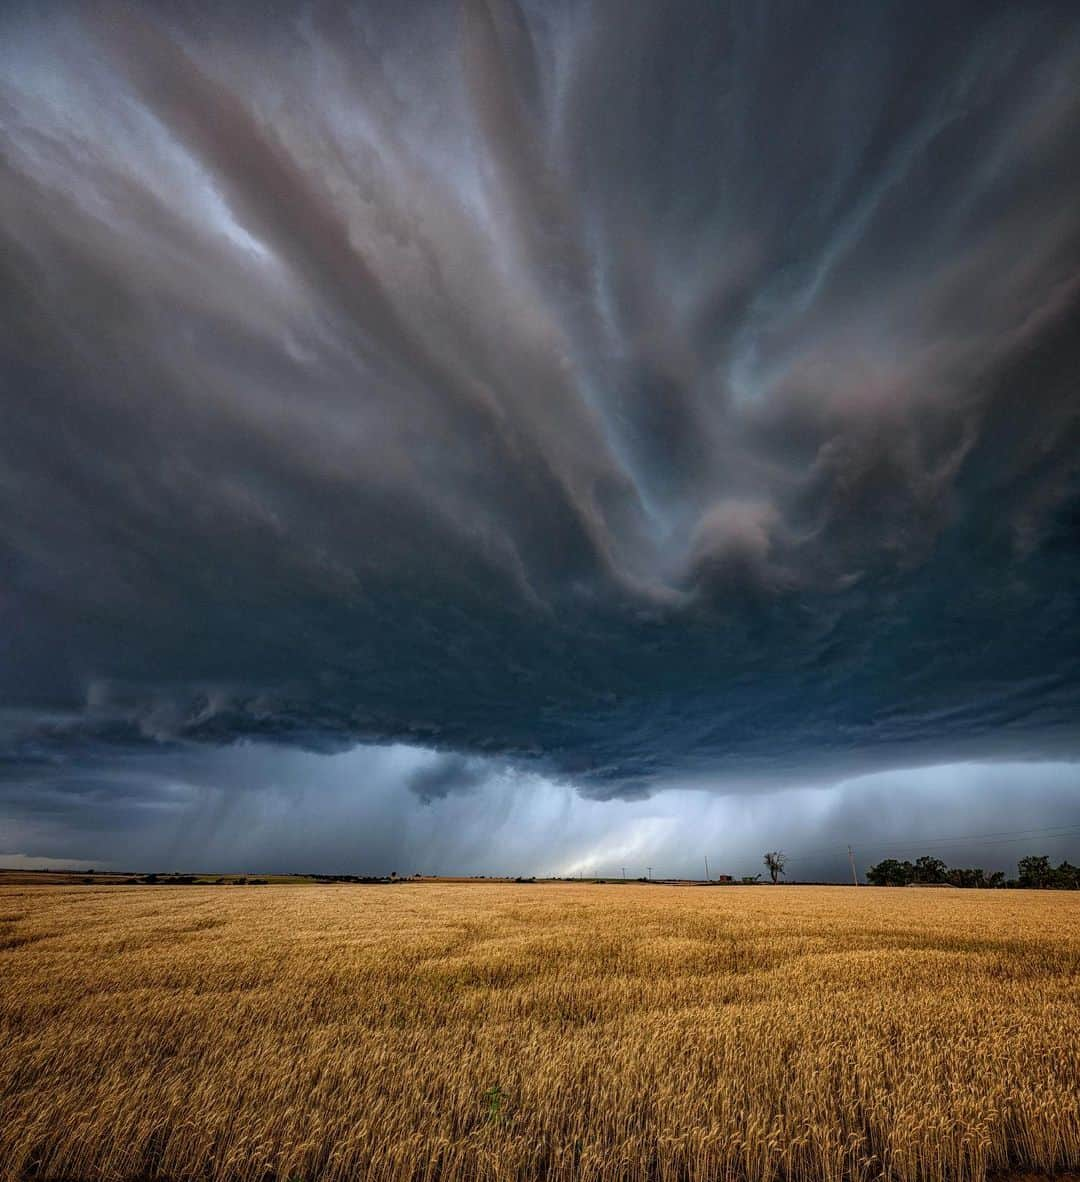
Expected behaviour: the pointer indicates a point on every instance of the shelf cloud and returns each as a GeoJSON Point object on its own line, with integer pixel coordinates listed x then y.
{"type": "Point", "coordinates": [633, 396]}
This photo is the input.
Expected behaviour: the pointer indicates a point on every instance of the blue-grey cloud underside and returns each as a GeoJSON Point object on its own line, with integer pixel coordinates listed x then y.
{"type": "Point", "coordinates": [653, 391]}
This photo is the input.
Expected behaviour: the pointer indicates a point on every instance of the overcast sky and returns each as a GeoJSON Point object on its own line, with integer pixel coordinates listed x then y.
{"type": "Point", "coordinates": [539, 437]}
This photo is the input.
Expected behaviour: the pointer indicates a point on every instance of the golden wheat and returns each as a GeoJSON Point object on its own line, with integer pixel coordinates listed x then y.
{"type": "Point", "coordinates": [550, 1031]}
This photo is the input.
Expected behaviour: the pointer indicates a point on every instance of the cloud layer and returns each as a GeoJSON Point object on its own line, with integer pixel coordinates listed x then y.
{"type": "Point", "coordinates": [267, 810]}
{"type": "Point", "coordinates": [652, 394]}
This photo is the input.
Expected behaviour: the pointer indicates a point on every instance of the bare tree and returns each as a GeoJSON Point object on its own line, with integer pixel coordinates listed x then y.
{"type": "Point", "coordinates": [774, 861]}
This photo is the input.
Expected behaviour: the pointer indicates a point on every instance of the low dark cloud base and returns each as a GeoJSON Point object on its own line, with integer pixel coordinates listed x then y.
{"type": "Point", "coordinates": [272, 809]}
{"type": "Point", "coordinates": [651, 394]}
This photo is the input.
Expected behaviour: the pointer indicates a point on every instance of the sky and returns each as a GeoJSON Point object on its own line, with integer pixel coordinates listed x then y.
{"type": "Point", "coordinates": [518, 437]}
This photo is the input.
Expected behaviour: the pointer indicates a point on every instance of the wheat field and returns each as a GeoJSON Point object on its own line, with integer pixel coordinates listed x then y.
{"type": "Point", "coordinates": [436, 1031]}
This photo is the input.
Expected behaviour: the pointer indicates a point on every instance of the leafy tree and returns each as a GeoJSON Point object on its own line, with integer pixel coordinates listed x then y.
{"type": "Point", "coordinates": [929, 869]}
{"type": "Point", "coordinates": [1035, 872]}
{"type": "Point", "coordinates": [891, 873]}
{"type": "Point", "coordinates": [1067, 877]}
{"type": "Point", "coordinates": [878, 875]}
{"type": "Point", "coordinates": [962, 877]}
{"type": "Point", "coordinates": [775, 860]}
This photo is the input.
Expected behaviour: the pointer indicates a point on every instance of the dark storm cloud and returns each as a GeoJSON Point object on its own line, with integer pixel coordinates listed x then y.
{"type": "Point", "coordinates": [266, 809]}
{"type": "Point", "coordinates": [448, 774]}
{"type": "Point", "coordinates": [654, 392]}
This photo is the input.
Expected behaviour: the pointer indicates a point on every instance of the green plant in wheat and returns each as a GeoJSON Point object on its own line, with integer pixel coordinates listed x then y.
{"type": "Point", "coordinates": [494, 1099]}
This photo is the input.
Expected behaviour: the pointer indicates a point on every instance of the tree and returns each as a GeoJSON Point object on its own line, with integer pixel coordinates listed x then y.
{"type": "Point", "coordinates": [962, 877]}
{"type": "Point", "coordinates": [929, 869]}
{"type": "Point", "coordinates": [1035, 871]}
{"type": "Point", "coordinates": [775, 860]}
{"type": "Point", "coordinates": [891, 873]}
{"type": "Point", "coordinates": [1066, 877]}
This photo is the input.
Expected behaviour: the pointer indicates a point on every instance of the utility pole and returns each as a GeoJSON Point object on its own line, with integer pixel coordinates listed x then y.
{"type": "Point", "coordinates": [624, 874]}
{"type": "Point", "coordinates": [650, 874]}
{"type": "Point", "coordinates": [854, 872]}
{"type": "Point", "coordinates": [706, 867]}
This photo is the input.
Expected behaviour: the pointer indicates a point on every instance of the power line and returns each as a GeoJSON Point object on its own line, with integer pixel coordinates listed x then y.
{"type": "Point", "coordinates": [1001, 838]}
{"type": "Point", "coordinates": [993, 839]}
{"type": "Point", "coordinates": [1019, 833]}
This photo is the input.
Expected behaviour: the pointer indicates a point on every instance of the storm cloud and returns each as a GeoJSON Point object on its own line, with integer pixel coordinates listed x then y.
{"type": "Point", "coordinates": [267, 810]}
{"type": "Point", "coordinates": [634, 395]}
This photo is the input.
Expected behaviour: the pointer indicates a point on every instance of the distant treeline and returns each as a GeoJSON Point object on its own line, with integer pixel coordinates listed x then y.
{"type": "Point", "coordinates": [1034, 872]}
